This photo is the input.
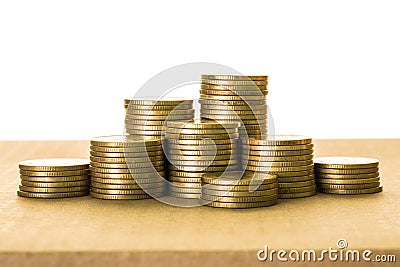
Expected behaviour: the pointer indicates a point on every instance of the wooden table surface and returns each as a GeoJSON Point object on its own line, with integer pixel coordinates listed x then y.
{"type": "Point", "coordinates": [86, 231]}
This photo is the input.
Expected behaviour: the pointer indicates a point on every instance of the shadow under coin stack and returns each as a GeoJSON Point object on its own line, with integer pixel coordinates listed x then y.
{"type": "Point", "coordinates": [54, 178]}
{"type": "Point", "coordinates": [241, 98]}
{"type": "Point", "coordinates": [347, 175]}
{"type": "Point", "coordinates": [197, 147]}
{"type": "Point", "coordinates": [231, 190]}
{"type": "Point", "coordinates": [290, 157]}
{"type": "Point", "coordinates": [146, 116]}
{"type": "Point", "coordinates": [126, 167]}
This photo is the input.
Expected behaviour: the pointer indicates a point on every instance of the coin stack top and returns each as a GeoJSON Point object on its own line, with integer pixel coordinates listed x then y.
{"type": "Point", "coordinates": [54, 178]}
{"type": "Point", "coordinates": [347, 175]}
{"type": "Point", "coordinates": [126, 167]}
{"type": "Point", "coordinates": [290, 157]}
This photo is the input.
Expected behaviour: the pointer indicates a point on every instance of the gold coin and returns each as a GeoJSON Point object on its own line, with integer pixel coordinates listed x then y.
{"type": "Point", "coordinates": [56, 184]}
{"type": "Point", "coordinates": [292, 190]}
{"type": "Point", "coordinates": [296, 178]}
{"type": "Point", "coordinates": [126, 191]}
{"type": "Point", "coordinates": [348, 176]}
{"type": "Point", "coordinates": [144, 122]}
{"type": "Point", "coordinates": [53, 189]}
{"type": "Point", "coordinates": [200, 124]}
{"type": "Point", "coordinates": [241, 205]}
{"type": "Point", "coordinates": [349, 186]}
{"type": "Point", "coordinates": [202, 141]}
{"type": "Point", "coordinates": [226, 89]}
{"type": "Point", "coordinates": [232, 112]}
{"type": "Point", "coordinates": [247, 103]}
{"type": "Point", "coordinates": [346, 171]}
{"type": "Point", "coordinates": [280, 163]}
{"type": "Point", "coordinates": [126, 170]}
{"type": "Point", "coordinates": [158, 101]}
{"type": "Point", "coordinates": [239, 199]}
{"type": "Point", "coordinates": [186, 174]}
{"type": "Point", "coordinates": [54, 173]}
{"type": "Point", "coordinates": [281, 140]}
{"type": "Point", "coordinates": [237, 178]}
{"type": "Point", "coordinates": [176, 112]}
{"type": "Point", "coordinates": [143, 175]}
{"type": "Point", "coordinates": [123, 141]}
{"type": "Point", "coordinates": [352, 191]}
{"type": "Point", "coordinates": [126, 165]}
{"type": "Point", "coordinates": [127, 160]}
{"type": "Point", "coordinates": [278, 159]}
{"type": "Point", "coordinates": [127, 186]}
{"type": "Point", "coordinates": [257, 193]}
{"type": "Point", "coordinates": [190, 132]}
{"type": "Point", "coordinates": [52, 195]}
{"type": "Point", "coordinates": [205, 163]}
{"type": "Point", "coordinates": [204, 147]}
{"type": "Point", "coordinates": [206, 153]}
{"type": "Point", "coordinates": [230, 92]}
{"type": "Point", "coordinates": [234, 97]}
{"type": "Point", "coordinates": [234, 77]}
{"type": "Point", "coordinates": [296, 184]}
{"type": "Point", "coordinates": [201, 158]}
{"type": "Point", "coordinates": [120, 197]}
{"type": "Point", "coordinates": [143, 181]}
{"type": "Point", "coordinates": [282, 153]}
{"type": "Point", "coordinates": [55, 179]}
{"type": "Point", "coordinates": [186, 185]}
{"type": "Point", "coordinates": [181, 179]}
{"type": "Point", "coordinates": [144, 127]}
{"type": "Point", "coordinates": [292, 174]}
{"type": "Point", "coordinates": [185, 195]}
{"type": "Point", "coordinates": [351, 181]}
{"type": "Point", "coordinates": [258, 108]}
{"type": "Point", "coordinates": [159, 117]}
{"type": "Point", "coordinates": [279, 169]}
{"type": "Point", "coordinates": [234, 116]}
{"type": "Point", "coordinates": [240, 188]}
{"type": "Point", "coordinates": [129, 150]}
{"type": "Point", "coordinates": [202, 168]}
{"type": "Point", "coordinates": [346, 162]}
{"type": "Point", "coordinates": [277, 148]}
{"type": "Point", "coordinates": [55, 164]}
{"type": "Point", "coordinates": [234, 82]}
{"type": "Point", "coordinates": [183, 106]}
{"type": "Point", "coordinates": [200, 137]}
{"type": "Point", "coordinates": [298, 195]}
{"type": "Point", "coordinates": [127, 154]}
{"type": "Point", "coordinates": [176, 189]}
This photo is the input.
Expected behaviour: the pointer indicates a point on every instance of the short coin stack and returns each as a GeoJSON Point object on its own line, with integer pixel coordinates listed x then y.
{"type": "Point", "coordinates": [290, 157]}
{"type": "Point", "coordinates": [232, 190]}
{"type": "Point", "coordinates": [196, 147]}
{"type": "Point", "coordinates": [126, 167]}
{"type": "Point", "coordinates": [54, 178]}
{"type": "Point", "coordinates": [347, 175]}
{"type": "Point", "coordinates": [146, 116]}
{"type": "Point", "coordinates": [240, 98]}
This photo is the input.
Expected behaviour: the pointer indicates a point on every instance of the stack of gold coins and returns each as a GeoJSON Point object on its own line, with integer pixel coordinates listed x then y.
{"type": "Point", "coordinates": [290, 157]}
{"type": "Point", "coordinates": [126, 167]}
{"type": "Point", "coordinates": [54, 178]}
{"type": "Point", "coordinates": [241, 98]}
{"type": "Point", "coordinates": [347, 175]}
{"type": "Point", "coordinates": [232, 190]}
{"type": "Point", "coordinates": [196, 147]}
{"type": "Point", "coordinates": [146, 116]}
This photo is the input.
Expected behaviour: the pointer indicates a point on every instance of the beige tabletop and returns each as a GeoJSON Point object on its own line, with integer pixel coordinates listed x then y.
{"type": "Point", "coordinates": [86, 231]}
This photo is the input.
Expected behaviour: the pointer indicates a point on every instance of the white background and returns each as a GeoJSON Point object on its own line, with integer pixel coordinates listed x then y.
{"type": "Point", "coordinates": [65, 66]}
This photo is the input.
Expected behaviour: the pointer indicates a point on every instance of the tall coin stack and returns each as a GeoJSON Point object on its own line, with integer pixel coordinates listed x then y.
{"type": "Point", "coordinates": [54, 178]}
{"type": "Point", "coordinates": [126, 167]}
{"type": "Point", "coordinates": [242, 98]}
{"type": "Point", "coordinates": [197, 147]}
{"type": "Point", "coordinates": [233, 190]}
{"type": "Point", "coordinates": [289, 157]}
{"type": "Point", "coordinates": [347, 175]}
{"type": "Point", "coordinates": [146, 116]}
